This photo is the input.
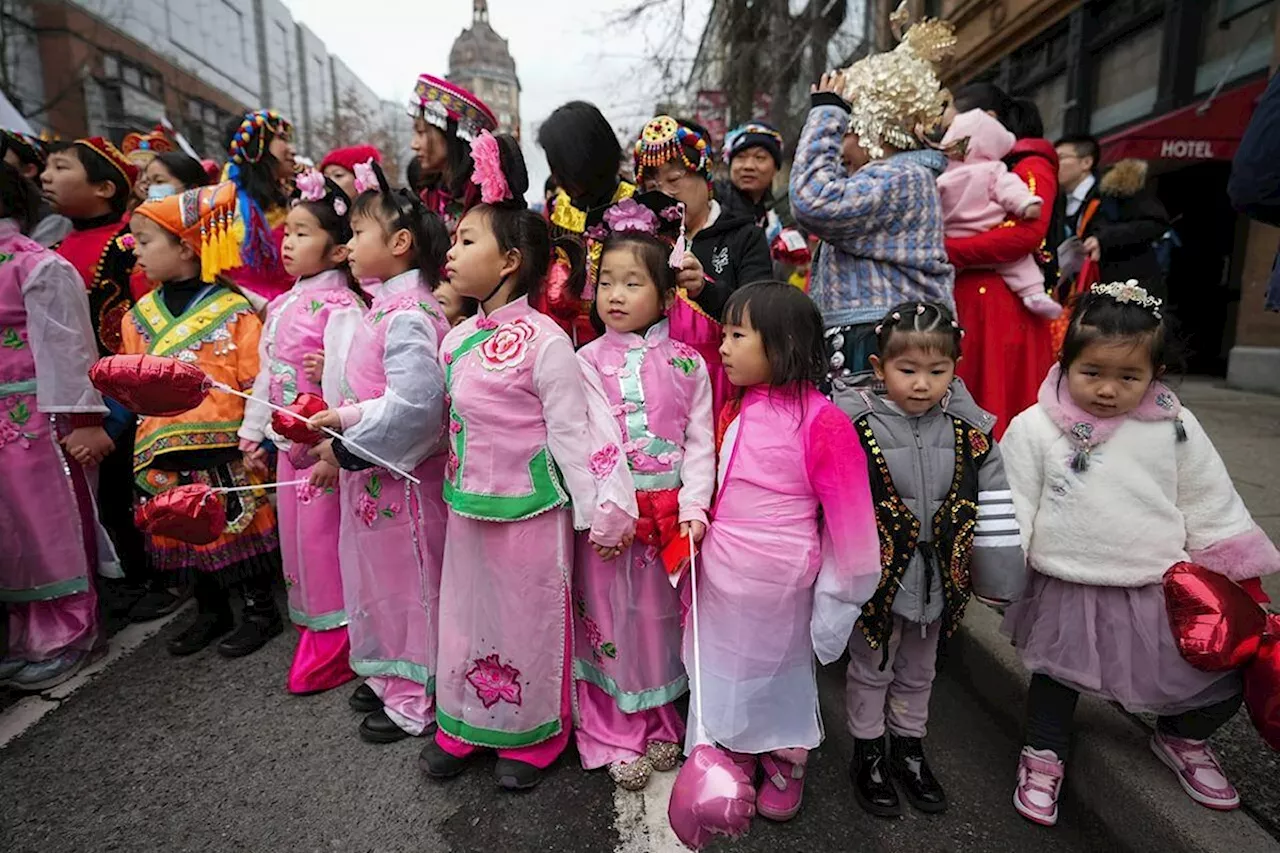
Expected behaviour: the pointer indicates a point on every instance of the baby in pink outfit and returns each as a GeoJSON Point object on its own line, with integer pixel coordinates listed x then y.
{"type": "Point", "coordinates": [980, 192]}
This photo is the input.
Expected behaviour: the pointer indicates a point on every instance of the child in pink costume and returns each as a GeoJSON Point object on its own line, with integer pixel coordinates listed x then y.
{"type": "Point", "coordinates": [319, 315]}
{"type": "Point", "coordinates": [792, 553]}
{"type": "Point", "coordinates": [51, 440]}
{"type": "Point", "coordinates": [392, 391]}
{"type": "Point", "coordinates": [627, 660]}
{"type": "Point", "coordinates": [979, 192]}
{"type": "Point", "coordinates": [523, 439]}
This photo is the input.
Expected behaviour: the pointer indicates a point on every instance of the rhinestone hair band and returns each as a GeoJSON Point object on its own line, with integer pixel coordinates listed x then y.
{"type": "Point", "coordinates": [1129, 293]}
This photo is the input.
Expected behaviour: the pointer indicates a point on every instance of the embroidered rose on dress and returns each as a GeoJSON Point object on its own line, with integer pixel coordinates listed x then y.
{"type": "Point", "coordinates": [307, 493]}
{"type": "Point", "coordinates": [367, 507]}
{"type": "Point", "coordinates": [495, 681]}
{"type": "Point", "coordinates": [486, 323]}
{"type": "Point", "coordinates": [367, 510]}
{"type": "Point", "coordinates": [448, 358]}
{"type": "Point", "coordinates": [11, 425]}
{"type": "Point", "coordinates": [603, 461]}
{"type": "Point", "coordinates": [508, 345]}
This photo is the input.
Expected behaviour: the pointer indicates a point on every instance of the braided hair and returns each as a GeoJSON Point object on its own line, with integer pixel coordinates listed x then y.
{"type": "Point", "coordinates": [928, 325]}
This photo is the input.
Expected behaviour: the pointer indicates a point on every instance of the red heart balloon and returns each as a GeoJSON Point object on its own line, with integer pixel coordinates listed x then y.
{"type": "Point", "coordinates": [296, 428]}
{"type": "Point", "coordinates": [193, 513]}
{"type": "Point", "coordinates": [150, 384]}
{"type": "Point", "coordinates": [1216, 624]}
{"type": "Point", "coordinates": [1262, 685]}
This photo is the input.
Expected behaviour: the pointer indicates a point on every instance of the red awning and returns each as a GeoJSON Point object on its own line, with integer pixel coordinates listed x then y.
{"type": "Point", "coordinates": [1186, 134]}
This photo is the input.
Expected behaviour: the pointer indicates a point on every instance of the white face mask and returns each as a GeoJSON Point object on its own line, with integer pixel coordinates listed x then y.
{"type": "Point", "coordinates": [155, 192]}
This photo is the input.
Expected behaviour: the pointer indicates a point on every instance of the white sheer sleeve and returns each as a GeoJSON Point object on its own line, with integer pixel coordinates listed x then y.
{"type": "Point", "coordinates": [61, 337]}
{"type": "Point", "coordinates": [338, 332]}
{"type": "Point", "coordinates": [405, 425]}
{"type": "Point", "coordinates": [586, 443]}
{"type": "Point", "coordinates": [698, 472]}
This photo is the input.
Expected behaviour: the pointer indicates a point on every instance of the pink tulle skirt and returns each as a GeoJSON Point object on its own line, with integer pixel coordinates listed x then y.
{"type": "Point", "coordinates": [1111, 642]}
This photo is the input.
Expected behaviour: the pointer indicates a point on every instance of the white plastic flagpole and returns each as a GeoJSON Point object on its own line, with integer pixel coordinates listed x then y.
{"type": "Point", "coordinates": [225, 490]}
{"type": "Point", "coordinates": [701, 735]}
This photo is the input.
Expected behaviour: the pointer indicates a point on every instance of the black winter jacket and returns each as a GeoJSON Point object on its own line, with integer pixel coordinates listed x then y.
{"type": "Point", "coordinates": [733, 252]}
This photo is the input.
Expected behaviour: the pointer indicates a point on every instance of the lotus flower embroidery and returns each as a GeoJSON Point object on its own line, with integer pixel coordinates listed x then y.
{"type": "Point", "coordinates": [509, 345]}
{"type": "Point", "coordinates": [603, 461]}
{"type": "Point", "coordinates": [495, 681]}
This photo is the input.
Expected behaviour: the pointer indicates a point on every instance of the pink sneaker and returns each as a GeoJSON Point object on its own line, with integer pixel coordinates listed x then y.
{"type": "Point", "coordinates": [781, 789]}
{"type": "Point", "coordinates": [1198, 770]}
{"type": "Point", "coordinates": [1039, 780]}
{"type": "Point", "coordinates": [1042, 304]}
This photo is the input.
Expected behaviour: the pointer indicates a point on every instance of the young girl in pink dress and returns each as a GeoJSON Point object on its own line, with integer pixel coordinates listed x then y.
{"type": "Point", "coordinates": [627, 615]}
{"type": "Point", "coordinates": [319, 315]}
{"type": "Point", "coordinates": [523, 440]}
{"type": "Point", "coordinates": [392, 393]}
{"type": "Point", "coordinates": [792, 554]}
{"type": "Point", "coordinates": [51, 440]}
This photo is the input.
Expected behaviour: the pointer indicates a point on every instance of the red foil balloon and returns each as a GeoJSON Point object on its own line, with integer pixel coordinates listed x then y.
{"type": "Point", "coordinates": [1215, 622]}
{"type": "Point", "coordinates": [149, 384]}
{"type": "Point", "coordinates": [1262, 685]}
{"type": "Point", "coordinates": [296, 428]}
{"type": "Point", "coordinates": [712, 796]}
{"type": "Point", "coordinates": [193, 513]}
{"type": "Point", "coordinates": [1219, 627]}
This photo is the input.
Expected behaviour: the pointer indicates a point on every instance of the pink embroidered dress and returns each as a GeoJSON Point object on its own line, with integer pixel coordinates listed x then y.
{"type": "Point", "coordinates": [392, 537]}
{"type": "Point", "coordinates": [50, 539]}
{"type": "Point", "coordinates": [526, 434]}
{"type": "Point", "coordinates": [627, 665]}
{"type": "Point", "coordinates": [776, 583]}
{"type": "Point", "coordinates": [319, 314]}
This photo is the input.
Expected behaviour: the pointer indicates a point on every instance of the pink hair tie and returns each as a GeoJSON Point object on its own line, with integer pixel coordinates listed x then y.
{"type": "Point", "coordinates": [487, 171]}
{"type": "Point", "coordinates": [310, 185]}
{"type": "Point", "coordinates": [366, 177]}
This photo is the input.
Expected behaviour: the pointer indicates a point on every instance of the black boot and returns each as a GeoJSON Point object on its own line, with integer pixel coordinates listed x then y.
{"type": "Point", "coordinates": [364, 700]}
{"type": "Point", "coordinates": [872, 787]}
{"type": "Point", "coordinates": [439, 764]}
{"type": "Point", "coordinates": [379, 728]}
{"type": "Point", "coordinates": [259, 622]}
{"type": "Point", "coordinates": [909, 766]}
{"type": "Point", "coordinates": [516, 775]}
{"type": "Point", "coordinates": [209, 625]}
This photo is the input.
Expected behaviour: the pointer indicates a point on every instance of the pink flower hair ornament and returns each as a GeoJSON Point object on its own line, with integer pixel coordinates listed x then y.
{"type": "Point", "coordinates": [310, 185]}
{"type": "Point", "coordinates": [487, 171]}
{"type": "Point", "coordinates": [366, 177]}
{"type": "Point", "coordinates": [630, 215]}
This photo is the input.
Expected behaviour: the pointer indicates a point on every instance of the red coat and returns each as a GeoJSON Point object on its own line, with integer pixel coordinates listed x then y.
{"type": "Point", "coordinates": [1006, 348]}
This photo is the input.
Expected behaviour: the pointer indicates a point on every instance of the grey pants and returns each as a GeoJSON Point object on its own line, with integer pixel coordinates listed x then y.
{"type": "Point", "coordinates": [898, 694]}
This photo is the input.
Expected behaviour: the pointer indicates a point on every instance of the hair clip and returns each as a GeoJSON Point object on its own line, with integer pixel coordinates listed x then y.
{"type": "Point", "coordinates": [487, 171]}
{"type": "Point", "coordinates": [896, 316]}
{"type": "Point", "coordinates": [366, 178]}
{"type": "Point", "coordinates": [630, 215]}
{"type": "Point", "coordinates": [919, 309]}
{"type": "Point", "coordinates": [310, 185]}
{"type": "Point", "coordinates": [1129, 293]}
{"type": "Point", "coordinates": [879, 328]}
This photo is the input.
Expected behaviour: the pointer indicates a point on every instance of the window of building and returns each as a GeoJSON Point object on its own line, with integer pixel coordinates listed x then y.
{"type": "Point", "coordinates": [1125, 77]}
{"type": "Point", "coordinates": [1238, 46]}
{"type": "Point", "coordinates": [1050, 97]}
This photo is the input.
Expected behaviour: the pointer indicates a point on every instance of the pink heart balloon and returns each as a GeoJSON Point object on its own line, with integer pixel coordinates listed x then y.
{"type": "Point", "coordinates": [712, 796]}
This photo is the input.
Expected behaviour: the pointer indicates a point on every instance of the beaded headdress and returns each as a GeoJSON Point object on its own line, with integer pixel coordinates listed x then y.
{"type": "Point", "coordinates": [895, 97]}
{"type": "Point", "coordinates": [664, 139]}
{"type": "Point", "coordinates": [207, 220]}
{"type": "Point", "coordinates": [104, 149]}
{"type": "Point", "coordinates": [437, 101]}
{"type": "Point", "coordinates": [1129, 293]}
{"type": "Point", "coordinates": [250, 141]}
{"type": "Point", "coordinates": [142, 148]}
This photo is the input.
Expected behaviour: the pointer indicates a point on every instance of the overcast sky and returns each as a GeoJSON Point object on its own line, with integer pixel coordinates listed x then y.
{"type": "Point", "coordinates": [563, 49]}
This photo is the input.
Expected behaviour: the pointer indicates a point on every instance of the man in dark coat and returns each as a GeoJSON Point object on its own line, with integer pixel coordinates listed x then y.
{"type": "Point", "coordinates": [1255, 174]}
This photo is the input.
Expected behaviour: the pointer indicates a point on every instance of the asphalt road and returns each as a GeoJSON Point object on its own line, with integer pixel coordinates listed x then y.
{"type": "Point", "coordinates": [202, 754]}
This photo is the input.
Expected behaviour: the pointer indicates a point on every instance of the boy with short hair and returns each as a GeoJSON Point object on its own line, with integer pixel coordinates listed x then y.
{"type": "Point", "coordinates": [27, 154]}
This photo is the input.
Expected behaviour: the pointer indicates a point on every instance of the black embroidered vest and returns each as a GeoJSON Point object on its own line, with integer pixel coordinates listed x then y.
{"type": "Point", "coordinates": [899, 530]}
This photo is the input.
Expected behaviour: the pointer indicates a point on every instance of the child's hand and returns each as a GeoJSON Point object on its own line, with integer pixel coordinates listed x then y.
{"type": "Point", "coordinates": [324, 475]}
{"type": "Point", "coordinates": [313, 366]}
{"type": "Point", "coordinates": [255, 458]}
{"type": "Point", "coordinates": [832, 81]}
{"type": "Point", "coordinates": [324, 452]}
{"type": "Point", "coordinates": [691, 276]}
{"type": "Point", "coordinates": [697, 527]}
{"type": "Point", "coordinates": [1092, 248]}
{"type": "Point", "coordinates": [88, 445]}
{"type": "Point", "coordinates": [1033, 211]}
{"type": "Point", "coordinates": [328, 418]}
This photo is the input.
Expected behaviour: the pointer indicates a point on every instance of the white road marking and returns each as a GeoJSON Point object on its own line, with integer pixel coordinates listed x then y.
{"type": "Point", "coordinates": [26, 712]}
{"type": "Point", "coordinates": [642, 818]}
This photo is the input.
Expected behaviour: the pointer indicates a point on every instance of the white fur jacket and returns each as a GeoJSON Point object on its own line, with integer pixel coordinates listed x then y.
{"type": "Point", "coordinates": [1117, 501]}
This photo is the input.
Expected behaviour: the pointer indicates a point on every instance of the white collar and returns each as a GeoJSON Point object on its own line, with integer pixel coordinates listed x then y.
{"type": "Point", "coordinates": [1081, 192]}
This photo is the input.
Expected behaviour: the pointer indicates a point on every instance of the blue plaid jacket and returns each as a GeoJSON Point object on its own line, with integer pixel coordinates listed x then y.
{"type": "Point", "coordinates": [881, 227]}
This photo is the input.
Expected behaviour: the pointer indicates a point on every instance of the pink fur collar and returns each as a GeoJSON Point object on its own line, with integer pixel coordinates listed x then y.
{"type": "Point", "coordinates": [1087, 431]}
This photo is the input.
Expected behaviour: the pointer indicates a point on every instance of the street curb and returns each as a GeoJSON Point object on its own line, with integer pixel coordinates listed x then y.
{"type": "Point", "coordinates": [1112, 775]}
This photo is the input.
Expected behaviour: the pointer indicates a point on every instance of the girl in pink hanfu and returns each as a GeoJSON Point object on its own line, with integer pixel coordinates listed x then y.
{"type": "Point", "coordinates": [51, 439]}
{"type": "Point", "coordinates": [627, 656]}
{"type": "Point", "coordinates": [392, 389]}
{"type": "Point", "coordinates": [792, 554]}
{"type": "Point", "coordinates": [319, 315]}
{"type": "Point", "coordinates": [524, 439]}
